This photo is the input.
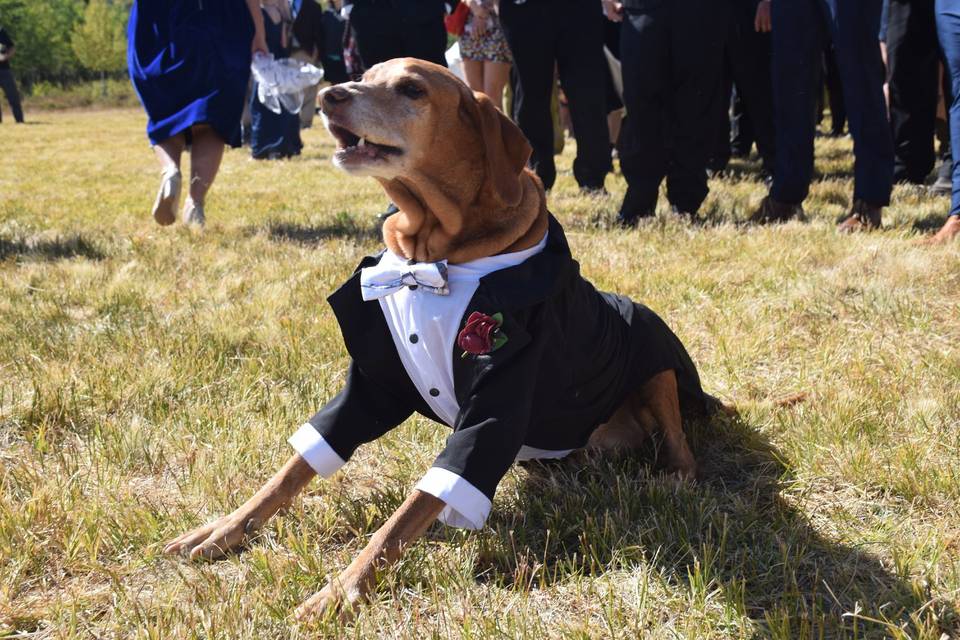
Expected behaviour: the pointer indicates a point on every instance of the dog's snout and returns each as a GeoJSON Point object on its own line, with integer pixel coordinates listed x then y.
{"type": "Point", "coordinates": [334, 96]}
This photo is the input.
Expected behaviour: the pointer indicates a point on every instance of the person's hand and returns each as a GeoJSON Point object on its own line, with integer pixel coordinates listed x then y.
{"type": "Point", "coordinates": [259, 44]}
{"type": "Point", "coordinates": [762, 21]}
{"type": "Point", "coordinates": [613, 10]}
{"type": "Point", "coordinates": [481, 16]}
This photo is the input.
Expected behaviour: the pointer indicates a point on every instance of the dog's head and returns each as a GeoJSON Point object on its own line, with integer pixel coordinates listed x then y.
{"type": "Point", "coordinates": [453, 163]}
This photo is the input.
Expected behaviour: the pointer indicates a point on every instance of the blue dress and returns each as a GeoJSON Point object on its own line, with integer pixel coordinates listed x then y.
{"type": "Point", "coordinates": [189, 61]}
{"type": "Point", "coordinates": [273, 135]}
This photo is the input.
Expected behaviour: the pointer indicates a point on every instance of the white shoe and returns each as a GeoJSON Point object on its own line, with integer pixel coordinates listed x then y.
{"type": "Point", "coordinates": [168, 198]}
{"type": "Point", "coordinates": [193, 214]}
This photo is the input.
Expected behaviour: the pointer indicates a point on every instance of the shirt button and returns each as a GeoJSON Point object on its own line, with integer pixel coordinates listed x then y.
{"type": "Point", "coordinates": [414, 338]}
{"type": "Point", "coordinates": [434, 392]}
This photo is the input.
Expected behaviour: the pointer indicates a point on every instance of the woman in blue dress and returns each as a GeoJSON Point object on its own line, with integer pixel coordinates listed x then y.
{"type": "Point", "coordinates": [275, 135]}
{"type": "Point", "coordinates": [189, 62]}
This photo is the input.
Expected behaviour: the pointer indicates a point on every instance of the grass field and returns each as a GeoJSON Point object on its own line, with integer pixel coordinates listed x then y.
{"type": "Point", "coordinates": [150, 376]}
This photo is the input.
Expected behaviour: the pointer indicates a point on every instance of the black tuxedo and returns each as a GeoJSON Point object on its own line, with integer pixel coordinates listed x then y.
{"type": "Point", "coordinates": [573, 354]}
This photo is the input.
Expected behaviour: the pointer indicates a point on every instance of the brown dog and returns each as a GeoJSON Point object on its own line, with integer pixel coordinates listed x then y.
{"type": "Point", "coordinates": [456, 168]}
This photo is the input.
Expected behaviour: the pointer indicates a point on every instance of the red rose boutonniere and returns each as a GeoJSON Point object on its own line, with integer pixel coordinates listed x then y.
{"type": "Point", "coordinates": [481, 334]}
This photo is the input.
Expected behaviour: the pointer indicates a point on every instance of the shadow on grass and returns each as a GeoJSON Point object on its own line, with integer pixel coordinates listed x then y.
{"type": "Point", "coordinates": [929, 223]}
{"type": "Point", "coordinates": [732, 533]}
{"type": "Point", "coordinates": [58, 248]}
{"type": "Point", "coordinates": [312, 235]}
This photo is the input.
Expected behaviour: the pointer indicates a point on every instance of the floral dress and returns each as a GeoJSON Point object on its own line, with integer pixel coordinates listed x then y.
{"type": "Point", "coordinates": [491, 45]}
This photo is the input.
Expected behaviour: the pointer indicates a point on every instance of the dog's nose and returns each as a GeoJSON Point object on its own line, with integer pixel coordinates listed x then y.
{"type": "Point", "coordinates": [334, 95]}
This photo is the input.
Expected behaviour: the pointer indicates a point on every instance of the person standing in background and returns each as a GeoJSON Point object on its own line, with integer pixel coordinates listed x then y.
{"type": "Point", "coordinates": [912, 57]}
{"type": "Point", "coordinates": [7, 81]}
{"type": "Point", "coordinates": [334, 26]}
{"type": "Point", "coordinates": [799, 30]}
{"type": "Point", "coordinates": [747, 63]}
{"type": "Point", "coordinates": [189, 61]}
{"type": "Point", "coordinates": [308, 46]}
{"type": "Point", "coordinates": [386, 29]}
{"type": "Point", "coordinates": [274, 136]}
{"type": "Point", "coordinates": [672, 57]}
{"type": "Point", "coordinates": [947, 14]}
{"type": "Point", "coordinates": [485, 52]}
{"type": "Point", "coordinates": [566, 35]}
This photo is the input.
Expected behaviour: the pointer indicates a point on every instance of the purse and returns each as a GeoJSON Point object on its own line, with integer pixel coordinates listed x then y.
{"type": "Point", "coordinates": [457, 20]}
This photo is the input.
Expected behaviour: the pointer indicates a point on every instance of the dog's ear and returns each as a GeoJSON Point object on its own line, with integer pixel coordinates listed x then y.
{"type": "Point", "coordinates": [506, 149]}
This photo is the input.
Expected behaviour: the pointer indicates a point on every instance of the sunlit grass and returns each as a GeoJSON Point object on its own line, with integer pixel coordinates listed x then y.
{"type": "Point", "coordinates": [149, 378]}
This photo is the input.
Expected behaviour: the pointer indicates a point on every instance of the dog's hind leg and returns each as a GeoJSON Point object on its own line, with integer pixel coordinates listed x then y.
{"type": "Point", "coordinates": [660, 397]}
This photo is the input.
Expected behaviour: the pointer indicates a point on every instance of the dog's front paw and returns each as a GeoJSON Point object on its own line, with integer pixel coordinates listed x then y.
{"type": "Point", "coordinates": [338, 598]}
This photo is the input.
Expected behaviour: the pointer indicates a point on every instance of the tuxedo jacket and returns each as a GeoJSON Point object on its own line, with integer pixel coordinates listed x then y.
{"type": "Point", "coordinates": [573, 355]}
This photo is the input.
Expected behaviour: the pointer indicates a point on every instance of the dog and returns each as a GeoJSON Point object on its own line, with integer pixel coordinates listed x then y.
{"type": "Point", "coordinates": [476, 316]}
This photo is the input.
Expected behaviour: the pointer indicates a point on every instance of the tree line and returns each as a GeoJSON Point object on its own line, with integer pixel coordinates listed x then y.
{"type": "Point", "coordinates": [66, 41]}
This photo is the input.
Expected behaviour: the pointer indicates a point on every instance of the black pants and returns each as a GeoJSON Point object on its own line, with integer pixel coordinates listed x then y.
{"type": "Point", "coordinates": [749, 54]}
{"type": "Point", "coordinates": [672, 55]}
{"type": "Point", "coordinates": [912, 56]}
{"type": "Point", "coordinates": [568, 35]}
{"type": "Point", "coordinates": [831, 81]}
{"type": "Point", "coordinates": [383, 33]}
{"type": "Point", "coordinates": [741, 127]}
{"type": "Point", "coordinates": [9, 87]}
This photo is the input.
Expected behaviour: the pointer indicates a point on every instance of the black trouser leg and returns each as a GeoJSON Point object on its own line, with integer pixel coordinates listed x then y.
{"type": "Point", "coordinates": [750, 55]}
{"type": "Point", "coordinates": [697, 51]}
{"type": "Point", "coordinates": [644, 54]}
{"type": "Point", "coordinates": [838, 108]}
{"type": "Point", "coordinates": [9, 86]}
{"type": "Point", "coordinates": [529, 29]}
{"type": "Point", "coordinates": [720, 152]}
{"type": "Point", "coordinates": [741, 126]}
{"type": "Point", "coordinates": [912, 56]}
{"type": "Point", "coordinates": [582, 65]}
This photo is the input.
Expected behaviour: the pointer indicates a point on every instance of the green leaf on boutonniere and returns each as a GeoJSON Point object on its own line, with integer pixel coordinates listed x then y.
{"type": "Point", "coordinates": [499, 340]}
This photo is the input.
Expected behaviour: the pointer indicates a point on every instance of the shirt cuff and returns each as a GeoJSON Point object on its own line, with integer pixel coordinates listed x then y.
{"type": "Point", "coordinates": [314, 449]}
{"type": "Point", "coordinates": [467, 507]}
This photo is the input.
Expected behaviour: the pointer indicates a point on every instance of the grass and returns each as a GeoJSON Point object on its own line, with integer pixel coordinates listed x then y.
{"type": "Point", "coordinates": [149, 378]}
{"type": "Point", "coordinates": [45, 96]}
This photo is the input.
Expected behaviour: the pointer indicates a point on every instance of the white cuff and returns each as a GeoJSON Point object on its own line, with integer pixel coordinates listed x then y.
{"type": "Point", "coordinates": [467, 507]}
{"type": "Point", "coordinates": [314, 449]}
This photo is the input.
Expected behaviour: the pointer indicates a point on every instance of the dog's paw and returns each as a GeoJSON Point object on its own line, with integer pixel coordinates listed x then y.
{"type": "Point", "coordinates": [335, 599]}
{"type": "Point", "coordinates": [214, 539]}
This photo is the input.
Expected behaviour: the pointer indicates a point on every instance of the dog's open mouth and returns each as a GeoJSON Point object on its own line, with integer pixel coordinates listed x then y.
{"type": "Point", "coordinates": [351, 147]}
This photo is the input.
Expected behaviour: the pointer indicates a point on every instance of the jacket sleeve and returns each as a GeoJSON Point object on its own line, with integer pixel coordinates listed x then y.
{"type": "Point", "coordinates": [489, 432]}
{"type": "Point", "coordinates": [362, 412]}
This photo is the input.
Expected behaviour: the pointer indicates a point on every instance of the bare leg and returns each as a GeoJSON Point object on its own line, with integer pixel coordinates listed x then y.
{"type": "Point", "coordinates": [206, 152]}
{"type": "Point", "coordinates": [169, 152]}
{"type": "Point", "coordinates": [215, 539]}
{"type": "Point", "coordinates": [659, 395]}
{"type": "Point", "coordinates": [495, 78]}
{"type": "Point", "coordinates": [358, 580]}
{"type": "Point", "coordinates": [473, 69]}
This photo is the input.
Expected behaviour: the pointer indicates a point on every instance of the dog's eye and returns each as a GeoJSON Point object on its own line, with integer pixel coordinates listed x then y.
{"type": "Point", "coordinates": [411, 90]}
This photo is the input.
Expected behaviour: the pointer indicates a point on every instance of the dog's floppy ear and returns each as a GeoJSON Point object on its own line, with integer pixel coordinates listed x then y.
{"type": "Point", "coordinates": [506, 149]}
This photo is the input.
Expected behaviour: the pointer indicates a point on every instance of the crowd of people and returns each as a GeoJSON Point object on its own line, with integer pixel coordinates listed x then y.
{"type": "Point", "coordinates": [699, 81]}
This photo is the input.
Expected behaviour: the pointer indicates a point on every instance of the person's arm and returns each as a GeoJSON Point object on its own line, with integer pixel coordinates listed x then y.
{"type": "Point", "coordinates": [259, 44]}
{"type": "Point", "coordinates": [613, 10]}
{"type": "Point", "coordinates": [762, 22]}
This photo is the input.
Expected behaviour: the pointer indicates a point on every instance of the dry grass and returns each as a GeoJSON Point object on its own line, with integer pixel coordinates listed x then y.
{"type": "Point", "coordinates": [148, 378]}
